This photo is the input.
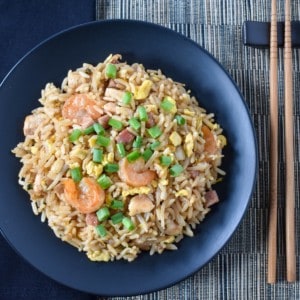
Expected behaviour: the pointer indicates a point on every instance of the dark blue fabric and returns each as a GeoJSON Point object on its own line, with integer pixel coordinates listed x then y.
{"type": "Point", "coordinates": [23, 24]}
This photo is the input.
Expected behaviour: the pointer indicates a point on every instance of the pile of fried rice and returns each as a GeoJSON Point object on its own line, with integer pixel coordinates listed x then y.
{"type": "Point", "coordinates": [120, 160]}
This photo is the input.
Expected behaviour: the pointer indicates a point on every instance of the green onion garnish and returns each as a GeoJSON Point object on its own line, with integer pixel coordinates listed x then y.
{"type": "Point", "coordinates": [154, 132]}
{"type": "Point", "coordinates": [166, 105]}
{"type": "Point", "coordinates": [89, 130]}
{"type": "Point", "coordinates": [76, 174]}
{"type": "Point", "coordinates": [142, 113]}
{"type": "Point", "coordinates": [127, 97]}
{"type": "Point", "coordinates": [75, 135]}
{"type": "Point", "coordinates": [101, 230]}
{"type": "Point", "coordinates": [147, 154]}
{"type": "Point", "coordinates": [102, 141]}
{"type": "Point", "coordinates": [137, 142]}
{"type": "Point", "coordinates": [128, 224]}
{"type": "Point", "coordinates": [117, 218]}
{"type": "Point", "coordinates": [116, 124]}
{"type": "Point", "coordinates": [111, 168]}
{"type": "Point", "coordinates": [111, 71]}
{"type": "Point", "coordinates": [104, 181]}
{"type": "Point", "coordinates": [180, 120]}
{"type": "Point", "coordinates": [176, 170]}
{"type": "Point", "coordinates": [103, 214]}
{"type": "Point", "coordinates": [134, 123]}
{"type": "Point", "coordinates": [165, 160]}
{"type": "Point", "coordinates": [97, 155]}
{"type": "Point", "coordinates": [117, 204]}
{"type": "Point", "coordinates": [154, 145]}
{"type": "Point", "coordinates": [133, 156]}
{"type": "Point", "coordinates": [121, 149]}
{"type": "Point", "coordinates": [98, 128]}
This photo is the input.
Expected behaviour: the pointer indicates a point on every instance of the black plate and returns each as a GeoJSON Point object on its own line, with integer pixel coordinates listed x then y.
{"type": "Point", "coordinates": [184, 61]}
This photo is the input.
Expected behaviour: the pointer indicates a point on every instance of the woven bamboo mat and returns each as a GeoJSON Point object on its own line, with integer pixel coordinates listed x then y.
{"type": "Point", "coordinates": [239, 271]}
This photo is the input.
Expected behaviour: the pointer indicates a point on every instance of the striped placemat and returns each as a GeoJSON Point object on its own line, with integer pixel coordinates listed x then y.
{"type": "Point", "coordinates": [239, 271]}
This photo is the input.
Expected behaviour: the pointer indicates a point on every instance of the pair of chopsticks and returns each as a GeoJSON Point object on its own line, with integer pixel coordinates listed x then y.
{"type": "Point", "coordinates": [289, 149]}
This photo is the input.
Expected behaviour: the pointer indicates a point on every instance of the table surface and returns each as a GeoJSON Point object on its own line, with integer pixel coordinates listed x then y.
{"type": "Point", "coordinates": [239, 271]}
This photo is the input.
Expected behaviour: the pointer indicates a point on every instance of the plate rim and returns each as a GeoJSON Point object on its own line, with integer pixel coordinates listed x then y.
{"type": "Point", "coordinates": [246, 109]}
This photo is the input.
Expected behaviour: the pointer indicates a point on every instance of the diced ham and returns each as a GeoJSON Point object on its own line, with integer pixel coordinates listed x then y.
{"type": "Point", "coordinates": [91, 219]}
{"type": "Point", "coordinates": [125, 136]}
{"type": "Point", "coordinates": [32, 122]}
{"type": "Point", "coordinates": [151, 122]}
{"type": "Point", "coordinates": [114, 94]}
{"type": "Point", "coordinates": [211, 198]}
{"type": "Point", "coordinates": [103, 121]}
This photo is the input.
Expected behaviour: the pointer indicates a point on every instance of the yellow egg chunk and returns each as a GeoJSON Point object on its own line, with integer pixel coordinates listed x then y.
{"type": "Point", "coordinates": [175, 138]}
{"type": "Point", "coordinates": [143, 90]}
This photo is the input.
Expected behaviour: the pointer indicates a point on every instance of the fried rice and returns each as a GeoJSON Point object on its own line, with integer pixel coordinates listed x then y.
{"type": "Point", "coordinates": [120, 160]}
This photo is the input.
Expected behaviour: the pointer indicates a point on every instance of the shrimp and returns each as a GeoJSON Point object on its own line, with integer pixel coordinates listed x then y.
{"type": "Point", "coordinates": [81, 110]}
{"type": "Point", "coordinates": [140, 204]}
{"type": "Point", "coordinates": [87, 197]}
{"type": "Point", "coordinates": [134, 173]}
{"type": "Point", "coordinates": [210, 142]}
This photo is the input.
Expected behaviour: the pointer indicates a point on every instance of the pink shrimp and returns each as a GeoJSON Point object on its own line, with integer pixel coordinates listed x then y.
{"type": "Point", "coordinates": [81, 110]}
{"type": "Point", "coordinates": [86, 197]}
{"type": "Point", "coordinates": [134, 173]}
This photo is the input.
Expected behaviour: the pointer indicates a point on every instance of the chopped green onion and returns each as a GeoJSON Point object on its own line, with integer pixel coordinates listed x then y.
{"type": "Point", "coordinates": [98, 128]}
{"type": "Point", "coordinates": [121, 149]}
{"type": "Point", "coordinates": [104, 181]}
{"type": "Point", "coordinates": [154, 132]}
{"type": "Point", "coordinates": [165, 160]}
{"type": "Point", "coordinates": [147, 154]}
{"type": "Point", "coordinates": [128, 224]}
{"type": "Point", "coordinates": [137, 142]}
{"type": "Point", "coordinates": [103, 214]}
{"type": "Point", "coordinates": [116, 124]}
{"type": "Point", "coordinates": [154, 145]}
{"type": "Point", "coordinates": [117, 204]}
{"type": "Point", "coordinates": [103, 141]}
{"type": "Point", "coordinates": [180, 120]}
{"type": "Point", "coordinates": [101, 230]}
{"type": "Point", "coordinates": [76, 174]}
{"type": "Point", "coordinates": [134, 123]}
{"type": "Point", "coordinates": [127, 97]}
{"type": "Point", "coordinates": [75, 135]}
{"type": "Point", "coordinates": [97, 155]}
{"type": "Point", "coordinates": [142, 113]}
{"type": "Point", "coordinates": [176, 170]}
{"type": "Point", "coordinates": [117, 218]}
{"type": "Point", "coordinates": [111, 71]}
{"type": "Point", "coordinates": [133, 156]}
{"type": "Point", "coordinates": [111, 168]}
{"type": "Point", "coordinates": [166, 105]}
{"type": "Point", "coordinates": [89, 130]}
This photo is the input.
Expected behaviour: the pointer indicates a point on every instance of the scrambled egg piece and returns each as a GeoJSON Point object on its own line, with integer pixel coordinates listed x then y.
{"type": "Point", "coordinates": [92, 141]}
{"type": "Point", "coordinates": [170, 240]}
{"type": "Point", "coordinates": [94, 169]}
{"type": "Point", "coordinates": [162, 172]}
{"type": "Point", "coordinates": [222, 139]}
{"type": "Point", "coordinates": [142, 91]}
{"type": "Point", "coordinates": [188, 145]}
{"type": "Point", "coordinates": [98, 255]}
{"type": "Point", "coordinates": [108, 158]}
{"type": "Point", "coordinates": [182, 192]}
{"type": "Point", "coordinates": [151, 108]}
{"type": "Point", "coordinates": [34, 150]}
{"type": "Point", "coordinates": [175, 138]}
{"type": "Point", "coordinates": [79, 153]}
{"type": "Point", "coordinates": [74, 165]}
{"type": "Point", "coordinates": [138, 190]}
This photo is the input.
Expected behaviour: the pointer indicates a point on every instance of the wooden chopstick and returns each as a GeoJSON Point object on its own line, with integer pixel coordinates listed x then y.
{"type": "Point", "coordinates": [289, 150]}
{"type": "Point", "coordinates": [272, 229]}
